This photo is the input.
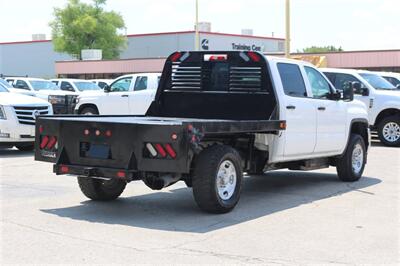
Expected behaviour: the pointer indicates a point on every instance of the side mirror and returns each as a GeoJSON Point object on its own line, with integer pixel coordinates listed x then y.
{"type": "Point", "coordinates": [107, 88]}
{"type": "Point", "coordinates": [336, 95]}
{"type": "Point", "coordinates": [364, 92]}
{"type": "Point", "coordinates": [349, 89]}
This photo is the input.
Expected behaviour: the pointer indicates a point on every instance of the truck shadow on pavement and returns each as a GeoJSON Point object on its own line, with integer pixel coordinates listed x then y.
{"type": "Point", "coordinates": [175, 210]}
{"type": "Point", "coordinates": [10, 153]}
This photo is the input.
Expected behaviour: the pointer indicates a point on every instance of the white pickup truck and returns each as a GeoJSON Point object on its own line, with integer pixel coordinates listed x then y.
{"type": "Point", "coordinates": [128, 94]}
{"type": "Point", "coordinates": [215, 116]}
{"type": "Point", "coordinates": [17, 118]}
{"type": "Point", "coordinates": [62, 101]}
{"type": "Point", "coordinates": [380, 96]}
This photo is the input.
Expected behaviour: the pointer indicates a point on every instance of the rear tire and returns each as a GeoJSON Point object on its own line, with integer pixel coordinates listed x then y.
{"type": "Point", "coordinates": [89, 111]}
{"type": "Point", "coordinates": [30, 147]}
{"type": "Point", "coordinates": [389, 131]}
{"type": "Point", "coordinates": [350, 166]}
{"type": "Point", "coordinates": [102, 190]}
{"type": "Point", "coordinates": [217, 179]}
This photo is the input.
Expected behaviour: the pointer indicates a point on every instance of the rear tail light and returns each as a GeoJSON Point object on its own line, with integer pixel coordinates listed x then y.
{"type": "Point", "coordinates": [48, 142]}
{"type": "Point", "coordinates": [215, 57]}
{"type": "Point", "coordinates": [43, 143]}
{"type": "Point", "coordinates": [64, 169]}
{"type": "Point", "coordinates": [121, 174]}
{"type": "Point", "coordinates": [161, 150]}
{"type": "Point", "coordinates": [175, 57]}
{"type": "Point", "coordinates": [170, 151]}
{"type": "Point", "coordinates": [254, 56]}
{"type": "Point", "coordinates": [52, 142]}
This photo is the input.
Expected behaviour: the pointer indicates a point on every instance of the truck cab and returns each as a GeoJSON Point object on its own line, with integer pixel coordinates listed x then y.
{"type": "Point", "coordinates": [380, 96]}
{"type": "Point", "coordinates": [128, 94]}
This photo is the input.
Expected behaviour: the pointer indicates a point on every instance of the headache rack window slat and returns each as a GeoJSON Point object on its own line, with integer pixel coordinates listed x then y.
{"type": "Point", "coordinates": [206, 76]}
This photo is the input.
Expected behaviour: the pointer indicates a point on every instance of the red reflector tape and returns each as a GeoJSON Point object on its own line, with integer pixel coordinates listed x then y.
{"type": "Point", "coordinates": [43, 143]}
{"type": "Point", "coordinates": [160, 150]}
{"type": "Point", "coordinates": [51, 143]}
{"type": "Point", "coordinates": [170, 151]}
{"type": "Point", "coordinates": [41, 129]}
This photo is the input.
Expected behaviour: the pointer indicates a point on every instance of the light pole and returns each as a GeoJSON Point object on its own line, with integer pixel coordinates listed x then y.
{"type": "Point", "coordinates": [287, 41]}
{"type": "Point", "coordinates": [197, 37]}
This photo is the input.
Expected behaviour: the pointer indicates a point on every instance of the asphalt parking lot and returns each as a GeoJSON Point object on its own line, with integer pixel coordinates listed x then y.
{"type": "Point", "coordinates": [282, 218]}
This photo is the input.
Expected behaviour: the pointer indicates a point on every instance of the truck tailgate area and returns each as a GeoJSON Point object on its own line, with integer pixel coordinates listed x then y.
{"type": "Point", "coordinates": [115, 143]}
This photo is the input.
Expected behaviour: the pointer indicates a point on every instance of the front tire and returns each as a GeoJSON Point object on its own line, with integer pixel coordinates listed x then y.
{"type": "Point", "coordinates": [30, 147]}
{"type": "Point", "coordinates": [101, 190]}
{"type": "Point", "coordinates": [217, 179]}
{"type": "Point", "coordinates": [350, 166]}
{"type": "Point", "coordinates": [389, 131]}
{"type": "Point", "coordinates": [89, 111]}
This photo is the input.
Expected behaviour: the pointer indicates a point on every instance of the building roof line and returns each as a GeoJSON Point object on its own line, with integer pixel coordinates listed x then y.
{"type": "Point", "coordinates": [166, 33]}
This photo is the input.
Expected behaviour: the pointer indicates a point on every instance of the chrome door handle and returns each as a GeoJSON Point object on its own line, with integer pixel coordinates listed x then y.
{"type": "Point", "coordinates": [321, 108]}
{"type": "Point", "coordinates": [291, 107]}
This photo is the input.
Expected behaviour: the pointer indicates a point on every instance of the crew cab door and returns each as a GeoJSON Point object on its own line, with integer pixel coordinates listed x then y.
{"type": "Point", "coordinates": [117, 100]}
{"type": "Point", "coordinates": [331, 114]}
{"type": "Point", "coordinates": [142, 95]}
{"type": "Point", "coordinates": [300, 114]}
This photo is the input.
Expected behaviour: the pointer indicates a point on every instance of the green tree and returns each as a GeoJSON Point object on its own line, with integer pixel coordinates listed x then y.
{"type": "Point", "coordinates": [321, 49]}
{"type": "Point", "coordinates": [80, 26]}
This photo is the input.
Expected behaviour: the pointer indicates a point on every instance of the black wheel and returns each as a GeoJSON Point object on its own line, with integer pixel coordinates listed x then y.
{"type": "Point", "coordinates": [217, 179]}
{"type": "Point", "coordinates": [351, 165]}
{"type": "Point", "coordinates": [389, 131]}
{"type": "Point", "coordinates": [29, 147]}
{"type": "Point", "coordinates": [97, 189]}
{"type": "Point", "coordinates": [89, 111]}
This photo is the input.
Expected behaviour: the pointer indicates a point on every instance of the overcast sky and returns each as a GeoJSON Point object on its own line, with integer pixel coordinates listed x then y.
{"type": "Point", "coordinates": [352, 24]}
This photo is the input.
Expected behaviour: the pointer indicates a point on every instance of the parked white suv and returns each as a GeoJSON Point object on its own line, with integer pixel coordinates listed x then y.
{"type": "Point", "coordinates": [76, 85]}
{"type": "Point", "coordinates": [17, 119]}
{"type": "Point", "coordinates": [380, 96]}
{"type": "Point", "coordinates": [129, 94]}
{"type": "Point", "coordinates": [62, 101]}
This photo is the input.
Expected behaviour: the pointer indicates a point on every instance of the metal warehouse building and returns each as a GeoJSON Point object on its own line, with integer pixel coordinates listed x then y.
{"type": "Point", "coordinates": [144, 52]}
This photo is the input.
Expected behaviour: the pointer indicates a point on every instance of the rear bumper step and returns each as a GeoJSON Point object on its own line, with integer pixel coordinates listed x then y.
{"type": "Point", "coordinates": [89, 171]}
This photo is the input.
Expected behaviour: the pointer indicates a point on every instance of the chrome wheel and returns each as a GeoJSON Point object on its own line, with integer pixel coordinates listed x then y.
{"type": "Point", "coordinates": [357, 158]}
{"type": "Point", "coordinates": [391, 132]}
{"type": "Point", "coordinates": [226, 180]}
